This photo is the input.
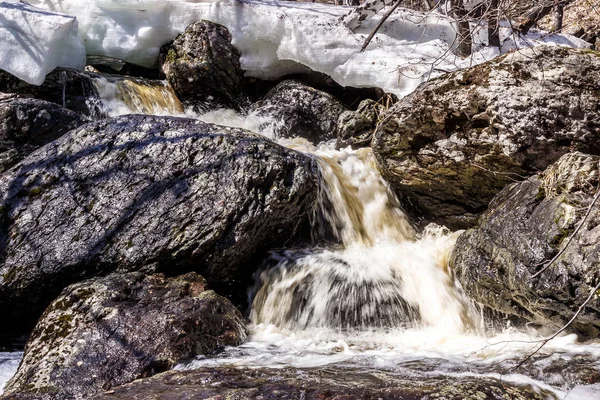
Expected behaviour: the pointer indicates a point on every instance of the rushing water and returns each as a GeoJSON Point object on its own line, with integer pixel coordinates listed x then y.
{"type": "Point", "coordinates": [384, 297]}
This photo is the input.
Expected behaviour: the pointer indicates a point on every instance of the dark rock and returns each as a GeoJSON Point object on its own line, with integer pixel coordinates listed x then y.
{"type": "Point", "coordinates": [203, 67]}
{"type": "Point", "coordinates": [70, 89]}
{"type": "Point", "coordinates": [340, 383]}
{"type": "Point", "coordinates": [526, 225]}
{"type": "Point", "coordinates": [452, 145]}
{"type": "Point", "coordinates": [27, 124]}
{"type": "Point", "coordinates": [110, 65]}
{"type": "Point", "coordinates": [300, 111]}
{"type": "Point", "coordinates": [356, 128]}
{"type": "Point", "coordinates": [146, 193]}
{"type": "Point", "coordinates": [109, 331]}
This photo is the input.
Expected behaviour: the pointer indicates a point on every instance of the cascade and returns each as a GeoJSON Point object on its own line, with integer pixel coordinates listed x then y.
{"type": "Point", "coordinates": [127, 95]}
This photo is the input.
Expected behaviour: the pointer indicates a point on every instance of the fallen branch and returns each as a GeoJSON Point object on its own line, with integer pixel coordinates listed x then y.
{"type": "Point", "coordinates": [545, 341]}
{"type": "Point", "coordinates": [379, 24]}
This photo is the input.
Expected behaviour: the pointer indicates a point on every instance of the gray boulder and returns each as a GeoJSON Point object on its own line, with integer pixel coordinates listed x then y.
{"type": "Point", "coordinates": [146, 193]}
{"type": "Point", "coordinates": [356, 128]}
{"type": "Point", "coordinates": [526, 226]}
{"type": "Point", "coordinates": [203, 67]}
{"type": "Point", "coordinates": [109, 331]}
{"type": "Point", "coordinates": [453, 144]}
{"type": "Point", "coordinates": [27, 124]}
{"type": "Point", "coordinates": [300, 111]}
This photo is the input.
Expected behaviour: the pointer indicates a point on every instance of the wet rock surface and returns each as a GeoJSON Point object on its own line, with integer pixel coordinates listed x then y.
{"type": "Point", "coordinates": [526, 226]}
{"type": "Point", "coordinates": [355, 128]}
{"type": "Point", "coordinates": [146, 193]}
{"type": "Point", "coordinates": [203, 67]}
{"type": "Point", "coordinates": [453, 144]}
{"type": "Point", "coordinates": [109, 331]}
{"type": "Point", "coordinates": [339, 383]}
{"type": "Point", "coordinates": [300, 111]}
{"type": "Point", "coordinates": [27, 124]}
{"type": "Point", "coordinates": [70, 89]}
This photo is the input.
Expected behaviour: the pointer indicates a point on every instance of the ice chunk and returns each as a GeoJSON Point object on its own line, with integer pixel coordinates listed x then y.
{"type": "Point", "coordinates": [36, 41]}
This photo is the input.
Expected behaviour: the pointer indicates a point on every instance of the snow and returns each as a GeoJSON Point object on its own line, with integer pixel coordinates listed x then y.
{"type": "Point", "coordinates": [35, 41]}
{"type": "Point", "coordinates": [279, 38]}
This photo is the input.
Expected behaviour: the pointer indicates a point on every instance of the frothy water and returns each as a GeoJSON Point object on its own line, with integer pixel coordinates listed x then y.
{"type": "Point", "coordinates": [9, 362]}
{"type": "Point", "coordinates": [383, 296]}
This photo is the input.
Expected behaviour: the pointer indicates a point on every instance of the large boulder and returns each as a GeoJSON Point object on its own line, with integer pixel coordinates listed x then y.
{"type": "Point", "coordinates": [527, 225]}
{"type": "Point", "coordinates": [109, 331]}
{"type": "Point", "coordinates": [146, 193]}
{"type": "Point", "coordinates": [27, 124]}
{"type": "Point", "coordinates": [299, 110]}
{"type": "Point", "coordinates": [452, 145]}
{"type": "Point", "coordinates": [203, 67]}
{"type": "Point", "coordinates": [316, 384]}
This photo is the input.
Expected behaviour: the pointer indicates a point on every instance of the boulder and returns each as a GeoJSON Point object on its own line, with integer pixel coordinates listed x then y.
{"type": "Point", "coordinates": [453, 144]}
{"type": "Point", "coordinates": [503, 263]}
{"type": "Point", "coordinates": [27, 124]}
{"type": "Point", "coordinates": [203, 67]}
{"type": "Point", "coordinates": [315, 384]}
{"type": "Point", "coordinates": [146, 193]}
{"type": "Point", "coordinates": [109, 331]}
{"type": "Point", "coordinates": [355, 128]}
{"type": "Point", "coordinates": [300, 111]}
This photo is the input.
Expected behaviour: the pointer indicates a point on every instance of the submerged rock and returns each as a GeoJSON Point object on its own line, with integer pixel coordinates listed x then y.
{"type": "Point", "coordinates": [313, 384]}
{"type": "Point", "coordinates": [451, 146]}
{"type": "Point", "coordinates": [109, 331]}
{"type": "Point", "coordinates": [27, 124]}
{"type": "Point", "coordinates": [146, 193]}
{"type": "Point", "coordinates": [526, 226]}
{"type": "Point", "coordinates": [300, 111]}
{"type": "Point", "coordinates": [203, 67]}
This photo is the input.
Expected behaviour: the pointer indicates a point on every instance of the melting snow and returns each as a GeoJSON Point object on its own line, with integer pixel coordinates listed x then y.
{"type": "Point", "coordinates": [278, 38]}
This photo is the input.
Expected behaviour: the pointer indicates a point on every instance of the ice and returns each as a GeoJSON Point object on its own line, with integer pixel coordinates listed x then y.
{"type": "Point", "coordinates": [280, 38]}
{"type": "Point", "coordinates": [35, 41]}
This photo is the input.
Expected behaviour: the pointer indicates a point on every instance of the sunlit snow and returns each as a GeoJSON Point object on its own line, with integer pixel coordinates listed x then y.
{"type": "Point", "coordinates": [34, 42]}
{"type": "Point", "coordinates": [279, 38]}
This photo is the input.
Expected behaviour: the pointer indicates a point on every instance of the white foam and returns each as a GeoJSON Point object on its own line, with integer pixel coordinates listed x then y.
{"type": "Point", "coordinates": [9, 362]}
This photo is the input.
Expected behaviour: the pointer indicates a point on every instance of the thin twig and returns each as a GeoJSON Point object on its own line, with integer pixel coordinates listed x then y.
{"type": "Point", "coordinates": [381, 21]}
{"type": "Point", "coordinates": [545, 341]}
{"type": "Point", "coordinates": [587, 214]}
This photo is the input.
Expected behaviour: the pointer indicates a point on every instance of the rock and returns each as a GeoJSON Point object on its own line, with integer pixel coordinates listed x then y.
{"type": "Point", "coordinates": [580, 19]}
{"type": "Point", "coordinates": [203, 67]}
{"type": "Point", "coordinates": [70, 89]}
{"type": "Point", "coordinates": [27, 124]}
{"type": "Point", "coordinates": [355, 128]}
{"type": "Point", "coordinates": [146, 193]}
{"type": "Point", "coordinates": [526, 225]}
{"type": "Point", "coordinates": [313, 384]}
{"type": "Point", "coordinates": [300, 111]}
{"type": "Point", "coordinates": [108, 331]}
{"type": "Point", "coordinates": [451, 146]}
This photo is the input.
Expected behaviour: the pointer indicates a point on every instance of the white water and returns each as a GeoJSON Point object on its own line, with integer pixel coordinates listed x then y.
{"type": "Point", "coordinates": [384, 297]}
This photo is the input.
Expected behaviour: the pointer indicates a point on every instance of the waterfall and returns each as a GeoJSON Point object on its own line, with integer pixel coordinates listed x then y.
{"type": "Point", "coordinates": [381, 275]}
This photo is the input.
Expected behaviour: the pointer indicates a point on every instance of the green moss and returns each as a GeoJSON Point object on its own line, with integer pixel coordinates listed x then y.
{"type": "Point", "coordinates": [541, 194]}
{"type": "Point", "coordinates": [35, 192]}
{"type": "Point", "coordinates": [562, 235]}
{"type": "Point", "coordinates": [10, 275]}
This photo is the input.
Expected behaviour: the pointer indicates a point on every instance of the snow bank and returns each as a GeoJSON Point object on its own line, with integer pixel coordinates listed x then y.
{"type": "Point", "coordinates": [278, 38]}
{"type": "Point", "coordinates": [35, 41]}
